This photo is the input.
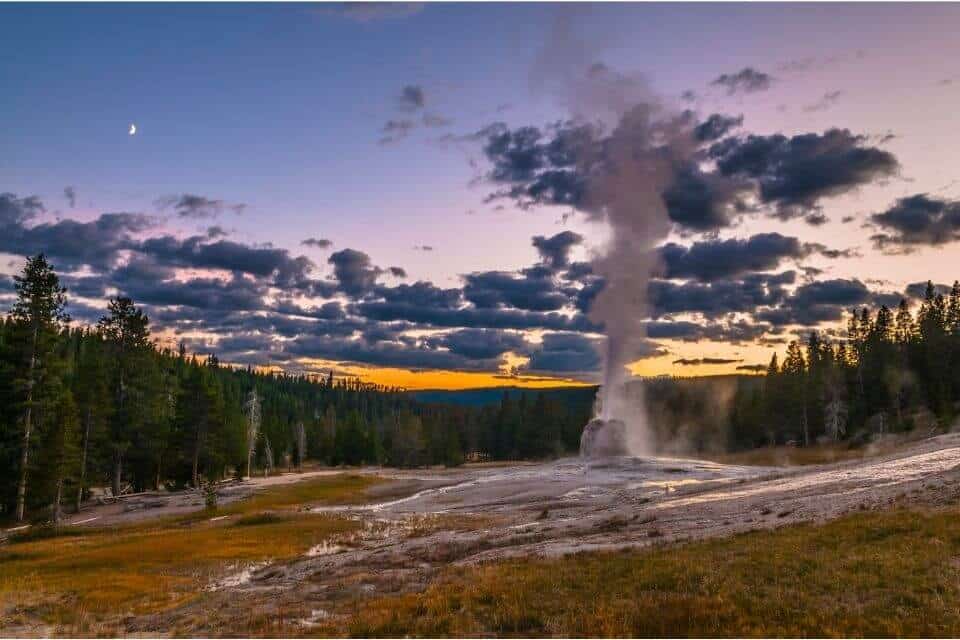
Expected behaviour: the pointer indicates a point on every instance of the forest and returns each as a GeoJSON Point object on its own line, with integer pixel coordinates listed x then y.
{"type": "Point", "coordinates": [891, 372]}
{"type": "Point", "coordinates": [105, 406]}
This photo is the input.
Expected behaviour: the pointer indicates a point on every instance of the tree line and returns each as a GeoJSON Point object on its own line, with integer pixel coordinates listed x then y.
{"type": "Point", "coordinates": [891, 372]}
{"type": "Point", "coordinates": [106, 406]}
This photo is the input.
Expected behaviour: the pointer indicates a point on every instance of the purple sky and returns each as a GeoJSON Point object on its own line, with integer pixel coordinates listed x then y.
{"type": "Point", "coordinates": [361, 126]}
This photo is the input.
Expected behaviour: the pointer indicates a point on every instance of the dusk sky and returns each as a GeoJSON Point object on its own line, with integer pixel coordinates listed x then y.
{"type": "Point", "coordinates": [352, 186]}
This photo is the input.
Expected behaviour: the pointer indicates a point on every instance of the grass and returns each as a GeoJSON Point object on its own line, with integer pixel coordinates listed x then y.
{"type": "Point", "coordinates": [894, 573]}
{"type": "Point", "coordinates": [83, 576]}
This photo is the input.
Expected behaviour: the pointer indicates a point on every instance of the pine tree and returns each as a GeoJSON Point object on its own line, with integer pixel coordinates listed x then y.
{"type": "Point", "coordinates": [126, 332]}
{"type": "Point", "coordinates": [61, 460]}
{"type": "Point", "coordinates": [38, 314]}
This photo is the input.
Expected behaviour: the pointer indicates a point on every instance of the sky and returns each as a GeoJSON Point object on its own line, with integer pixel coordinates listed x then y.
{"type": "Point", "coordinates": [420, 194]}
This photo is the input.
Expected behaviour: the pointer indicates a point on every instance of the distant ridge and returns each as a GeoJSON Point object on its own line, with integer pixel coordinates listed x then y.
{"type": "Point", "coordinates": [492, 395]}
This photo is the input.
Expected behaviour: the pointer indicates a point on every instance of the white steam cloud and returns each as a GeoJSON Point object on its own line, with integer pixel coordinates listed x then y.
{"type": "Point", "coordinates": [626, 173]}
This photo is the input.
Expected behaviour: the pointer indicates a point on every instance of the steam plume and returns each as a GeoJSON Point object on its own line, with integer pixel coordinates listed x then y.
{"type": "Point", "coordinates": [626, 172]}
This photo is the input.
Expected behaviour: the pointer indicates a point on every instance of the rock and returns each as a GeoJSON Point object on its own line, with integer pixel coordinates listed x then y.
{"type": "Point", "coordinates": [604, 439]}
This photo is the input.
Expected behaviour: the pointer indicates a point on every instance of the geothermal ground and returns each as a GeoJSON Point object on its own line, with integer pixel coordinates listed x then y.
{"type": "Point", "coordinates": [571, 506]}
{"type": "Point", "coordinates": [414, 525]}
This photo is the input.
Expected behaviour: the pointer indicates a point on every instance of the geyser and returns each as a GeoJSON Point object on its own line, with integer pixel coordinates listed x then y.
{"type": "Point", "coordinates": [603, 439]}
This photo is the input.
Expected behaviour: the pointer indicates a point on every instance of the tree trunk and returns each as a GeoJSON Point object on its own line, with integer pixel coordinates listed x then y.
{"type": "Point", "coordinates": [117, 471]}
{"type": "Point", "coordinates": [57, 513]}
{"type": "Point", "coordinates": [27, 428]}
{"type": "Point", "coordinates": [83, 458]}
{"type": "Point", "coordinates": [196, 464]}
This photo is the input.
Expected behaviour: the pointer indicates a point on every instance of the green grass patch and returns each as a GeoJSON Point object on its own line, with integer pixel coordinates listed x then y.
{"type": "Point", "coordinates": [893, 573]}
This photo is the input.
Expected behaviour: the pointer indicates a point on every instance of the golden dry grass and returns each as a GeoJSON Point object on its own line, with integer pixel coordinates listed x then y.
{"type": "Point", "coordinates": [93, 574]}
{"type": "Point", "coordinates": [883, 574]}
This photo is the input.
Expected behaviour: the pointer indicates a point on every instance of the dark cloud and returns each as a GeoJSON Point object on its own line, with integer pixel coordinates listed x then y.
{"type": "Point", "coordinates": [193, 206]}
{"type": "Point", "coordinates": [756, 368]}
{"type": "Point", "coordinates": [398, 272]}
{"type": "Point", "coordinates": [918, 220]}
{"type": "Point", "coordinates": [70, 194]}
{"type": "Point", "coordinates": [716, 126]}
{"type": "Point", "coordinates": [354, 271]}
{"type": "Point", "coordinates": [703, 201]}
{"type": "Point", "coordinates": [198, 252]}
{"type": "Point", "coordinates": [421, 294]}
{"type": "Point", "coordinates": [565, 353]}
{"type": "Point", "coordinates": [419, 355]}
{"type": "Point", "coordinates": [492, 289]}
{"type": "Point", "coordinates": [479, 344]}
{"type": "Point", "coordinates": [16, 211]}
{"type": "Point", "coordinates": [395, 130]}
{"type": "Point", "coordinates": [688, 362]}
{"type": "Point", "coordinates": [719, 297]}
{"type": "Point", "coordinates": [555, 250]}
{"type": "Point", "coordinates": [317, 243]}
{"type": "Point", "coordinates": [747, 80]}
{"type": "Point", "coordinates": [70, 244]}
{"type": "Point", "coordinates": [794, 174]}
{"type": "Point", "coordinates": [919, 289]}
{"type": "Point", "coordinates": [471, 317]}
{"type": "Point", "coordinates": [820, 301]}
{"type": "Point", "coordinates": [412, 97]}
{"type": "Point", "coordinates": [423, 247]}
{"type": "Point", "coordinates": [720, 259]}
{"type": "Point", "coordinates": [825, 102]}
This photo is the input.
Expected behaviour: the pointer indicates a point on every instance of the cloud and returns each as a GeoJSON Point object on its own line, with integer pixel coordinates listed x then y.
{"type": "Point", "coordinates": [918, 220]}
{"type": "Point", "coordinates": [688, 362]}
{"type": "Point", "coordinates": [919, 289]}
{"type": "Point", "coordinates": [720, 259]}
{"type": "Point", "coordinates": [795, 173]}
{"type": "Point", "coordinates": [411, 98]}
{"type": "Point", "coordinates": [423, 247]}
{"type": "Point", "coordinates": [492, 289]}
{"type": "Point", "coordinates": [825, 102]}
{"type": "Point", "coordinates": [702, 201]}
{"type": "Point", "coordinates": [198, 207]}
{"type": "Point", "coordinates": [317, 243]}
{"type": "Point", "coordinates": [71, 244]}
{"type": "Point", "coordinates": [480, 344]}
{"type": "Point", "coordinates": [16, 211]}
{"type": "Point", "coordinates": [747, 80]}
{"type": "Point", "coordinates": [716, 126]}
{"type": "Point", "coordinates": [719, 297]}
{"type": "Point", "coordinates": [566, 353]}
{"type": "Point", "coordinates": [398, 272]}
{"type": "Point", "coordinates": [492, 318]}
{"type": "Point", "coordinates": [70, 194]}
{"type": "Point", "coordinates": [354, 272]}
{"type": "Point", "coordinates": [395, 130]}
{"type": "Point", "coordinates": [199, 252]}
{"type": "Point", "coordinates": [555, 250]}
{"type": "Point", "coordinates": [756, 368]}
{"type": "Point", "coordinates": [819, 301]}
{"type": "Point", "coordinates": [723, 179]}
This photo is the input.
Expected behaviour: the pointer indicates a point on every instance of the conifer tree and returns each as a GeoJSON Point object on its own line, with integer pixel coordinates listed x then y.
{"type": "Point", "coordinates": [38, 315]}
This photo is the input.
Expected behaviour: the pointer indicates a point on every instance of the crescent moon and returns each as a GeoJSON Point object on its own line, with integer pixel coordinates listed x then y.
{"type": "Point", "coordinates": [133, 129]}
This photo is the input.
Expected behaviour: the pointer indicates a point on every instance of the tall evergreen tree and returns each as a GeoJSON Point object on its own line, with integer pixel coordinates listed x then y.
{"type": "Point", "coordinates": [38, 316]}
